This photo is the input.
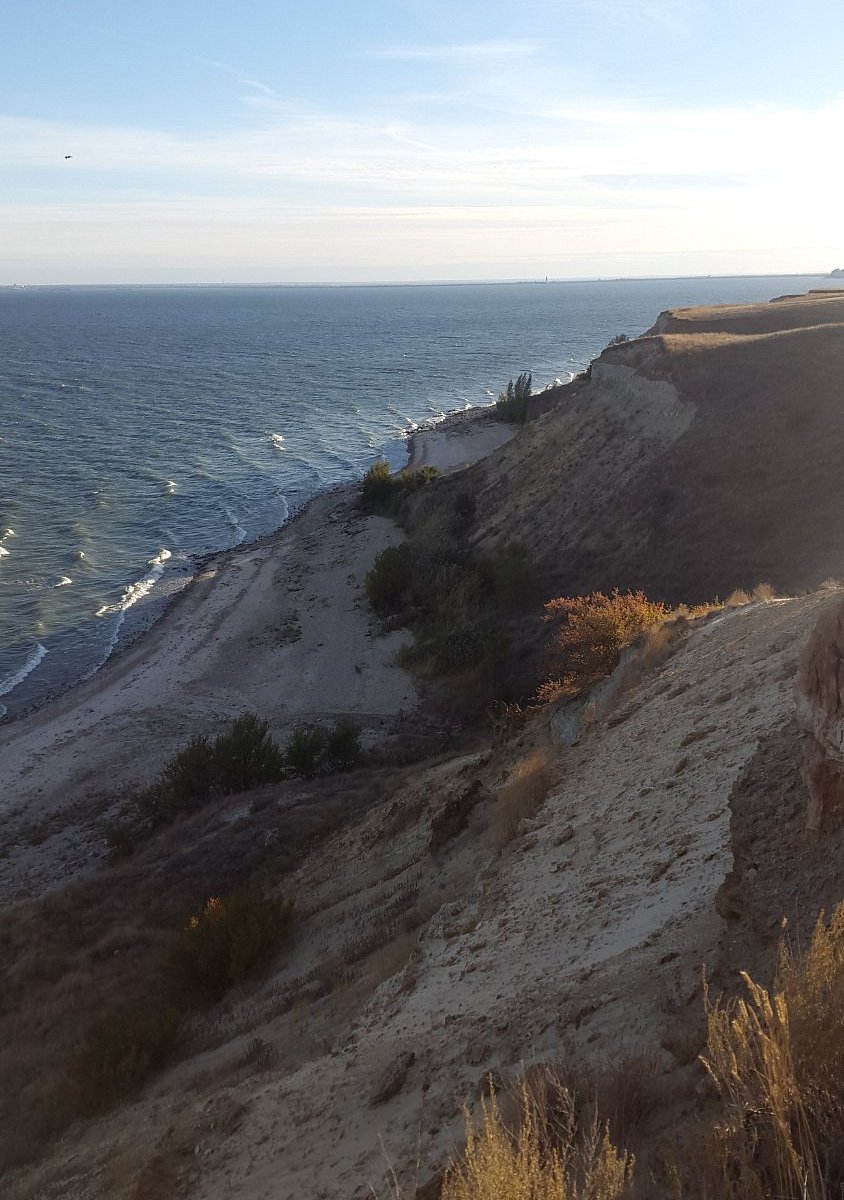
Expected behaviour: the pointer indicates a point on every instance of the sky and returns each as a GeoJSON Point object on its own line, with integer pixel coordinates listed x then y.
{"type": "Point", "coordinates": [388, 140]}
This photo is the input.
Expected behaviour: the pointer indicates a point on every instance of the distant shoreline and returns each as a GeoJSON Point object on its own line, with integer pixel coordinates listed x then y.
{"type": "Point", "coordinates": [413, 283]}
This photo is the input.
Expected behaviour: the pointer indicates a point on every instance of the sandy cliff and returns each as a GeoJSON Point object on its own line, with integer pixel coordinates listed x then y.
{"type": "Point", "coordinates": [699, 459]}
{"type": "Point", "coordinates": [537, 898]}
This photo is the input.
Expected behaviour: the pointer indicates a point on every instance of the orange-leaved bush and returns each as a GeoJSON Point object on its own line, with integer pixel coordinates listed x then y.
{"type": "Point", "coordinates": [593, 631]}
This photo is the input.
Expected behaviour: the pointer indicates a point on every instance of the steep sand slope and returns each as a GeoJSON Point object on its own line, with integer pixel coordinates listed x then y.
{"type": "Point", "coordinates": [693, 462]}
{"type": "Point", "coordinates": [584, 935]}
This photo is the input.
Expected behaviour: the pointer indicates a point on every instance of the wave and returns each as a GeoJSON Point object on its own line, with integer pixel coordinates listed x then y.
{"type": "Point", "coordinates": [170, 487]}
{"type": "Point", "coordinates": [232, 518]}
{"type": "Point", "coordinates": [4, 553]}
{"type": "Point", "coordinates": [28, 667]}
{"type": "Point", "coordinates": [137, 591]}
{"type": "Point", "coordinates": [63, 581]}
{"type": "Point", "coordinates": [277, 440]}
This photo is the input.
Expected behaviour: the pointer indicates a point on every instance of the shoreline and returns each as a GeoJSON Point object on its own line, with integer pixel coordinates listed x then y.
{"type": "Point", "coordinates": [418, 454]}
{"type": "Point", "coordinates": [279, 626]}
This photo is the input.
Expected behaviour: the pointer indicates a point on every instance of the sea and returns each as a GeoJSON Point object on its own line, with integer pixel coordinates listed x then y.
{"type": "Point", "coordinates": [143, 428]}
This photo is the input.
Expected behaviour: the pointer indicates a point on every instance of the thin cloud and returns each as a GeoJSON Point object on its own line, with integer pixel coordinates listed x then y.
{"type": "Point", "coordinates": [457, 52]}
{"type": "Point", "coordinates": [260, 87]}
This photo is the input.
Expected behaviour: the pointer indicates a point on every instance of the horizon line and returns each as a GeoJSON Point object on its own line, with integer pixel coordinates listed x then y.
{"type": "Point", "coordinates": [484, 282]}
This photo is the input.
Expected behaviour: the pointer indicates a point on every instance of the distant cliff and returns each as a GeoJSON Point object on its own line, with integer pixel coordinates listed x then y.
{"type": "Point", "coordinates": [703, 456]}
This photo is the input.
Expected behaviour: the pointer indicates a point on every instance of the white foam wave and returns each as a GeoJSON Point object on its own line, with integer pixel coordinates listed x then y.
{"type": "Point", "coordinates": [63, 581]}
{"type": "Point", "coordinates": [4, 553]}
{"type": "Point", "coordinates": [28, 667]}
{"type": "Point", "coordinates": [7, 532]}
{"type": "Point", "coordinates": [277, 440]}
{"type": "Point", "coordinates": [170, 487]}
{"type": "Point", "coordinates": [137, 591]}
{"type": "Point", "coordinates": [239, 531]}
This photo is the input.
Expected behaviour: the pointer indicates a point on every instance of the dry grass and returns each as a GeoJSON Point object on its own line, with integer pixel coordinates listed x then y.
{"type": "Point", "coordinates": [519, 799]}
{"type": "Point", "coordinates": [571, 1164]}
{"type": "Point", "coordinates": [777, 1061]}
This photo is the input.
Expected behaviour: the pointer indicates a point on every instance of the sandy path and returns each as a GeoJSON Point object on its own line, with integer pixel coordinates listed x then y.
{"type": "Point", "coordinates": [459, 440]}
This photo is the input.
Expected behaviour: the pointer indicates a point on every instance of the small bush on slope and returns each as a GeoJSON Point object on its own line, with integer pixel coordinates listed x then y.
{"type": "Point", "coordinates": [380, 489]}
{"type": "Point", "coordinates": [221, 946]}
{"type": "Point", "coordinates": [593, 632]}
{"type": "Point", "coordinates": [512, 402]}
{"type": "Point", "coordinates": [389, 581]}
{"type": "Point", "coordinates": [244, 757]}
{"type": "Point", "coordinates": [316, 751]}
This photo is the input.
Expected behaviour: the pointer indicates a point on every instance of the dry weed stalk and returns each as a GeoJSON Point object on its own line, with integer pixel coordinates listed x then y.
{"type": "Point", "coordinates": [497, 1163]}
{"type": "Point", "coordinates": [777, 1060]}
{"type": "Point", "coordinates": [520, 798]}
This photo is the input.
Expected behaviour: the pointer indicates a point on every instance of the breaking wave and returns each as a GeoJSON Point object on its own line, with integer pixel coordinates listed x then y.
{"type": "Point", "coordinates": [137, 591]}
{"type": "Point", "coordinates": [28, 667]}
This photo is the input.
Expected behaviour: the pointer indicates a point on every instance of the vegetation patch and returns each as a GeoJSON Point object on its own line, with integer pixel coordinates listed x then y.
{"type": "Point", "coordinates": [591, 632]}
{"type": "Point", "coordinates": [242, 758]}
{"type": "Point", "coordinates": [777, 1061]}
{"type": "Point", "coordinates": [381, 490]}
{"type": "Point", "coordinates": [512, 402]}
{"type": "Point", "coordinates": [545, 1159]}
{"type": "Point", "coordinates": [220, 947]}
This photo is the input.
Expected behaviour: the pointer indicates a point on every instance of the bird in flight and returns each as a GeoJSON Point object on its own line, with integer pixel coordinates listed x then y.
{"type": "Point", "coordinates": [68, 156]}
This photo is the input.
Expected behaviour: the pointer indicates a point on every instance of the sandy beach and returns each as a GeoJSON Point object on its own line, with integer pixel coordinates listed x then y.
{"type": "Point", "coordinates": [281, 628]}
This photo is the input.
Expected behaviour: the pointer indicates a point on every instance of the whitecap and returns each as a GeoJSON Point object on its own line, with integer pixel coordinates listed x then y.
{"type": "Point", "coordinates": [63, 581]}
{"type": "Point", "coordinates": [8, 532]}
{"type": "Point", "coordinates": [4, 553]}
{"type": "Point", "coordinates": [232, 518]}
{"type": "Point", "coordinates": [277, 440]}
{"type": "Point", "coordinates": [28, 667]}
{"type": "Point", "coordinates": [170, 487]}
{"type": "Point", "coordinates": [136, 591]}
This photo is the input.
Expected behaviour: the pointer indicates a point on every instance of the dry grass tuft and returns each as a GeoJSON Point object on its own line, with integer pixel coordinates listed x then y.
{"type": "Point", "coordinates": [520, 798]}
{"type": "Point", "coordinates": [777, 1061]}
{"type": "Point", "coordinates": [763, 592]}
{"type": "Point", "coordinates": [737, 599]}
{"type": "Point", "coordinates": [576, 1164]}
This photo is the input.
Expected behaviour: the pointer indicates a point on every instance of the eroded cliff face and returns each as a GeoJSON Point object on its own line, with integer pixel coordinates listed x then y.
{"type": "Point", "coordinates": [819, 691]}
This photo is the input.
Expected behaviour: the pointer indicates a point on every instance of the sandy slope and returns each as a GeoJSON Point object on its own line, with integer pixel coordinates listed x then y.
{"type": "Point", "coordinates": [585, 935]}
{"type": "Point", "coordinates": [281, 628]}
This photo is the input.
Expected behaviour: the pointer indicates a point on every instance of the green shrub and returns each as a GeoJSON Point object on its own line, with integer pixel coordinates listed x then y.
{"type": "Point", "coordinates": [245, 757]}
{"type": "Point", "coordinates": [512, 403]}
{"type": "Point", "coordinates": [312, 752]}
{"type": "Point", "coordinates": [120, 1051]}
{"type": "Point", "coordinates": [342, 749]}
{"type": "Point", "coordinates": [465, 508]}
{"type": "Point", "coordinates": [389, 581]}
{"type": "Point", "coordinates": [223, 945]}
{"type": "Point", "coordinates": [304, 752]}
{"type": "Point", "coordinates": [190, 775]}
{"type": "Point", "coordinates": [380, 489]}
